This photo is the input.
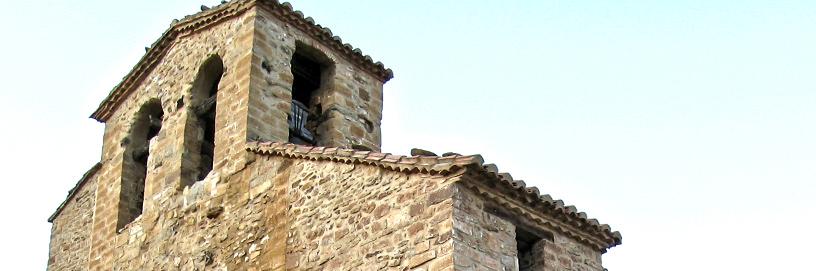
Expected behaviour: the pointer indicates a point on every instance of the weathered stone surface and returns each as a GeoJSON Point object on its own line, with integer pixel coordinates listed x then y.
{"type": "Point", "coordinates": [361, 220]}
{"type": "Point", "coordinates": [347, 119]}
{"type": "Point", "coordinates": [336, 209]}
{"type": "Point", "coordinates": [70, 231]}
{"type": "Point", "coordinates": [484, 241]}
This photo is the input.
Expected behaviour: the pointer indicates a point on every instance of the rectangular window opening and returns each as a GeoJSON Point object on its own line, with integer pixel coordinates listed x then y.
{"type": "Point", "coordinates": [525, 241]}
{"type": "Point", "coordinates": [303, 118]}
{"type": "Point", "coordinates": [527, 236]}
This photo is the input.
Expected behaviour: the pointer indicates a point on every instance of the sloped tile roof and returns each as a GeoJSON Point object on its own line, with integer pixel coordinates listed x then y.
{"type": "Point", "coordinates": [211, 16]}
{"type": "Point", "coordinates": [544, 203]}
{"type": "Point", "coordinates": [427, 164]}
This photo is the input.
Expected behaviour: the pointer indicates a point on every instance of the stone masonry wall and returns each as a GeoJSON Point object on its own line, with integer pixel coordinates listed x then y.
{"type": "Point", "coordinates": [562, 253]}
{"type": "Point", "coordinates": [483, 241]}
{"type": "Point", "coordinates": [353, 217]}
{"type": "Point", "coordinates": [170, 82]}
{"type": "Point", "coordinates": [352, 100]}
{"type": "Point", "coordinates": [293, 214]}
{"type": "Point", "coordinates": [220, 223]}
{"type": "Point", "coordinates": [70, 231]}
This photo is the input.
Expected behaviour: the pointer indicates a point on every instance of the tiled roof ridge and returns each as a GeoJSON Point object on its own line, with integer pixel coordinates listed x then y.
{"type": "Point", "coordinates": [402, 163]}
{"type": "Point", "coordinates": [210, 16]}
{"type": "Point", "coordinates": [443, 164]}
{"type": "Point", "coordinates": [73, 191]}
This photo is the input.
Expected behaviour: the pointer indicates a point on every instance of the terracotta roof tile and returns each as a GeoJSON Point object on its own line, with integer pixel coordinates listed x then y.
{"type": "Point", "coordinates": [582, 215]}
{"type": "Point", "coordinates": [405, 160]}
{"type": "Point", "coordinates": [385, 160]}
{"type": "Point", "coordinates": [533, 191]}
{"type": "Point", "coordinates": [426, 160]}
{"type": "Point", "coordinates": [444, 164]}
{"type": "Point", "coordinates": [546, 198]}
{"type": "Point", "coordinates": [330, 151]}
{"type": "Point", "coordinates": [492, 168]}
{"type": "Point", "coordinates": [375, 157]}
{"type": "Point", "coordinates": [390, 158]}
{"type": "Point", "coordinates": [360, 154]}
{"type": "Point", "coordinates": [441, 166]}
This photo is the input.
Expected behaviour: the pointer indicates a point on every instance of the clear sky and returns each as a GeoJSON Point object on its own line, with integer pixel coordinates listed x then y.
{"type": "Point", "coordinates": [686, 125]}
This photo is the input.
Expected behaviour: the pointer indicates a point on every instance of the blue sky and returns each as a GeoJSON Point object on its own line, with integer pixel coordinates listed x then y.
{"type": "Point", "coordinates": [686, 125]}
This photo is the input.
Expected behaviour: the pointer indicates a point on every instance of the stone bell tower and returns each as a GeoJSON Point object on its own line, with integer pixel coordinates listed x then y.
{"type": "Point", "coordinates": [248, 138]}
{"type": "Point", "coordinates": [282, 77]}
{"type": "Point", "coordinates": [243, 71]}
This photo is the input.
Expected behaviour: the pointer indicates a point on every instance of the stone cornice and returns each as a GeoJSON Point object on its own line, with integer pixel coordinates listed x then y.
{"type": "Point", "coordinates": [215, 15]}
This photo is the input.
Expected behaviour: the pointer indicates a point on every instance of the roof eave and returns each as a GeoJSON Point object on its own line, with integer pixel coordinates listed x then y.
{"type": "Point", "coordinates": [503, 185]}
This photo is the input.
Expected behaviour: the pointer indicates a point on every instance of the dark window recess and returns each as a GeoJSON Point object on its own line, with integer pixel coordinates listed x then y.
{"type": "Point", "coordinates": [204, 104]}
{"type": "Point", "coordinates": [154, 123]}
{"type": "Point", "coordinates": [206, 114]}
{"type": "Point", "coordinates": [526, 238]}
{"type": "Point", "coordinates": [146, 126]}
{"type": "Point", "coordinates": [303, 117]}
{"type": "Point", "coordinates": [524, 245]}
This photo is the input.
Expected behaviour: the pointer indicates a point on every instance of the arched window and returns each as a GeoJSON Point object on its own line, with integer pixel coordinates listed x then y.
{"type": "Point", "coordinates": [312, 71]}
{"type": "Point", "coordinates": [146, 126]}
{"type": "Point", "coordinates": [200, 135]}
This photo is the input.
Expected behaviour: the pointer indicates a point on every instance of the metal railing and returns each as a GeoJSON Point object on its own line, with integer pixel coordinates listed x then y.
{"type": "Point", "coordinates": [297, 124]}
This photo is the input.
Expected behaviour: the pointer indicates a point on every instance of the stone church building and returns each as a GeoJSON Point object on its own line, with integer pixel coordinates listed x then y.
{"type": "Point", "coordinates": [248, 138]}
